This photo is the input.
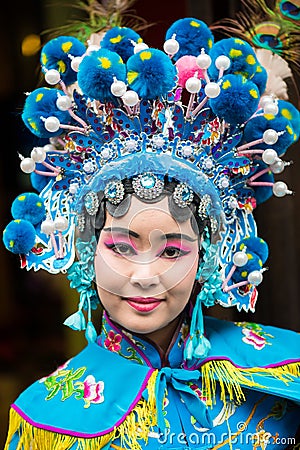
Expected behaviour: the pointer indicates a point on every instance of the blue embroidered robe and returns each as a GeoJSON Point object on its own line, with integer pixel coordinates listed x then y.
{"type": "Point", "coordinates": [244, 395]}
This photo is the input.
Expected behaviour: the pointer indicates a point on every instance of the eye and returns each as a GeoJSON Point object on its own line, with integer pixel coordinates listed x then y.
{"type": "Point", "coordinates": [122, 249]}
{"type": "Point", "coordinates": [173, 252]}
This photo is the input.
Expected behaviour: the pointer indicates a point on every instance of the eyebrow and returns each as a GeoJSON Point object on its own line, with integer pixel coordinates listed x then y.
{"type": "Point", "coordinates": [136, 235]}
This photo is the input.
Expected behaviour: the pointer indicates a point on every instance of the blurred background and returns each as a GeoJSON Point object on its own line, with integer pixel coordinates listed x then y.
{"type": "Point", "coordinates": [33, 340]}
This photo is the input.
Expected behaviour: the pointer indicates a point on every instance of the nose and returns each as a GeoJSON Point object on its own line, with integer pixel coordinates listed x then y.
{"type": "Point", "coordinates": [145, 275]}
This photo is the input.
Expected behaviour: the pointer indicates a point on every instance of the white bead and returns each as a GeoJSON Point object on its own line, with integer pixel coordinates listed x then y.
{"type": "Point", "coordinates": [73, 188]}
{"type": "Point", "coordinates": [105, 153]}
{"type": "Point", "coordinates": [92, 48]}
{"type": "Point", "coordinates": [278, 166]}
{"type": "Point", "coordinates": [47, 226]}
{"type": "Point", "coordinates": [269, 156]}
{"type": "Point", "coordinates": [130, 98]}
{"type": "Point", "coordinates": [240, 259]}
{"type": "Point", "coordinates": [203, 61]}
{"type": "Point", "coordinates": [63, 103]}
{"type": "Point", "coordinates": [224, 183]}
{"type": "Point", "coordinates": [118, 88]}
{"type": "Point", "coordinates": [52, 76]}
{"type": "Point", "coordinates": [255, 277]}
{"type": "Point", "coordinates": [49, 147]}
{"type": "Point", "coordinates": [88, 167]}
{"type": "Point", "coordinates": [212, 90]}
{"type": "Point", "coordinates": [187, 150]}
{"type": "Point", "coordinates": [270, 137]}
{"type": "Point", "coordinates": [158, 141]}
{"type": "Point", "coordinates": [76, 62]}
{"type": "Point", "coordinates": [171, 46]}
{"type": "Point", "coordinates": [139, 47]}
{"type": "Point", "coordinates": [233, 203]}
{"type": "Point", "coordinates": [280, 189]}
{"type": "Point", "coordinates": [52, 124]}
{"type": "Point", "coordinates": [38, 154]}
{"type": "Point", "coordinates": [27, 165]}
{"type": "Point", "coordinates": [193, 85]}
{"type": "Point", "coordinates": [208, 163]}
{"type": "Point", "coordinates": [222, 62]}
{"type": "Point", "coordinates": [61, 223]}
{"type": "Point", "coordinates": [265, 99]}
{"type": "Point", "coordinates": [271, 108]}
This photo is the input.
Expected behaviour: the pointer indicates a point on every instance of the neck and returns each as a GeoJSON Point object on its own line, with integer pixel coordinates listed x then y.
{"type": "Point", "coordinates": [162, 338]}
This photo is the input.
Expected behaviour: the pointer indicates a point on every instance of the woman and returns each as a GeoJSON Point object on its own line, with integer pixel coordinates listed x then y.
{"type": "Point", "coordinates": [155, 184]}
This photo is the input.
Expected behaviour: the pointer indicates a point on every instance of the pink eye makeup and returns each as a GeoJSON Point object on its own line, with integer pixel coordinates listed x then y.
{"type": "Point", "coordinates": [120, 246]}
{"type": "Point", "coordinates": [174, 249]}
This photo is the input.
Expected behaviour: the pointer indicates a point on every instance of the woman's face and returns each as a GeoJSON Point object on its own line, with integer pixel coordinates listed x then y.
{"type": "Point", "coordinates": [145, 266]}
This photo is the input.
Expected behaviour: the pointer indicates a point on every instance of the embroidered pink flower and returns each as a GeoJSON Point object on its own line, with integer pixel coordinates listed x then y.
{"type": "Point", "coordinates": [92, 391]}
{"type": "Point", "coordinates": [253, 338]}
{"type": "Point", "coordinates": [112, 342]}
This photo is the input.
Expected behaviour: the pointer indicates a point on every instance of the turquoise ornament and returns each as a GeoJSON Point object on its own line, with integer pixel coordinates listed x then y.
{"type": "Point", "coordinates": [82, 275]}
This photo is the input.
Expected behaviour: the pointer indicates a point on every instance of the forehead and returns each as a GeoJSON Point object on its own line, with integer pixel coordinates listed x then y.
{"type": "Point", "coordinates": [146, 217]}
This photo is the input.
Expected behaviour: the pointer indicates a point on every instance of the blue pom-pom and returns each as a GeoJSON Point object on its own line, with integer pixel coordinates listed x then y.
{"type": "Point", "coordinates": [39, 181]}
{"type": "Point", "coordinates": [255, 128]}
{"type": "Point", "coordinates": [291, 113]}
{"type": "Point", "coordinates": [237, 101]}
{"type": "Point", "coordinates": [55, 55]}
{"type": "Point", "coordinates": [260, 78]}
{"type": "Point", "coordinates": [19, 236]}
{"type": "Point", "coordinates": [121, 40]}
{"type": "Point", "coordinates": [97, 71]}
{"type": "Point", "coordinates": [254, 263]}
{"type": "Point", "coordinates": [28, 206]}
{"type": "Point", "coordinates": [192, 34]}
{"type": "Point", "coordinates": [42, 103]}
{"type": "Point", "coordinates": [255, 244]}
{"type": "Point", "coordinates": [241, 54]}
{"type": "Point", "coordinates": [151, 73]}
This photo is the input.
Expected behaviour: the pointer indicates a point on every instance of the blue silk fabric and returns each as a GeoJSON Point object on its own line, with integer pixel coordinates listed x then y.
{"type": "Point", "coordinates": [94, 391]}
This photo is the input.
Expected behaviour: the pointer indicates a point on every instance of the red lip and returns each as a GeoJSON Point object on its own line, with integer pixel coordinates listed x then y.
{"type": "Point", "coordinates": [143, 304]}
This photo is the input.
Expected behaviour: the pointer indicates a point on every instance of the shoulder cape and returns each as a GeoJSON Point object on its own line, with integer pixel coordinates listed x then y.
{"type": "Point", "coordinates": [99, 394]}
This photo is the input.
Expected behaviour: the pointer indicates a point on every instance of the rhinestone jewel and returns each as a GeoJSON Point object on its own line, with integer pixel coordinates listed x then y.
{"type": "Point", "coordinates": [183, 195]}
{"type": "Point", "coordinates": [114, 192]}
{"type": "Point", "coordinates": [203, 209]}
{"type": "Point", "coordinates": [147, 186]}
{"type": "Point", "coordinates": [91, 203]}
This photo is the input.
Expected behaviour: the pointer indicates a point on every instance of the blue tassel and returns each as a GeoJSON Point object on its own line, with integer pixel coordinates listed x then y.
{"type": "Point", "coordinates": [90, 332]}
{"type": "Point", "coordinates": [76, 321]}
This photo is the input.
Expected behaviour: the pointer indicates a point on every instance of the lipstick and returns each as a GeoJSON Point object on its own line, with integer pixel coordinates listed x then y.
{"type": "Point", "coordinates": [143, 304]}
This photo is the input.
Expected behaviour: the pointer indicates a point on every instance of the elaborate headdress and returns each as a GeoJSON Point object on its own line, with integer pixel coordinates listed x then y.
{"type": "Point", "coordinates": [195, 112]}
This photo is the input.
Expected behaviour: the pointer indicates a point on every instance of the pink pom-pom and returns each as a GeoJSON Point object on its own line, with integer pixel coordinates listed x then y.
{"type": "Point", "coordinates": [187, 67]}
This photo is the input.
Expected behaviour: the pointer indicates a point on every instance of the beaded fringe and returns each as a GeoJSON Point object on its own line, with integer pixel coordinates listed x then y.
{"type": "Point", "coordinates": [142, 418]}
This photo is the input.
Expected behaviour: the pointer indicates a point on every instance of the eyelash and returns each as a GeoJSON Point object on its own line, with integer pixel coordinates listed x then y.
{"type": "Point", "coordinates": [116, 247]}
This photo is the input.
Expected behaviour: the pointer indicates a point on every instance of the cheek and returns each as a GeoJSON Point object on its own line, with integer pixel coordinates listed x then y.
{"type": "Point", "coordinates": [181, 275]}
{"type": "Point", "coordinates": [111, 272]}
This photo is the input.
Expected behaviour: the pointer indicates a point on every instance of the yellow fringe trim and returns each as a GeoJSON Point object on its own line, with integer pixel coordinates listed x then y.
{"type": "Point", "coordinates": [230, 378]}
{"type": "Point", "coordinates": [142, 418]}
{"type": "Point", "coordinates": [135, 427]}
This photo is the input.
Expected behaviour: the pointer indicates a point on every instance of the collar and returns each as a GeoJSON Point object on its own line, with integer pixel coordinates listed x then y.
{"type": "Point", "coordinates": [141, 349]}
